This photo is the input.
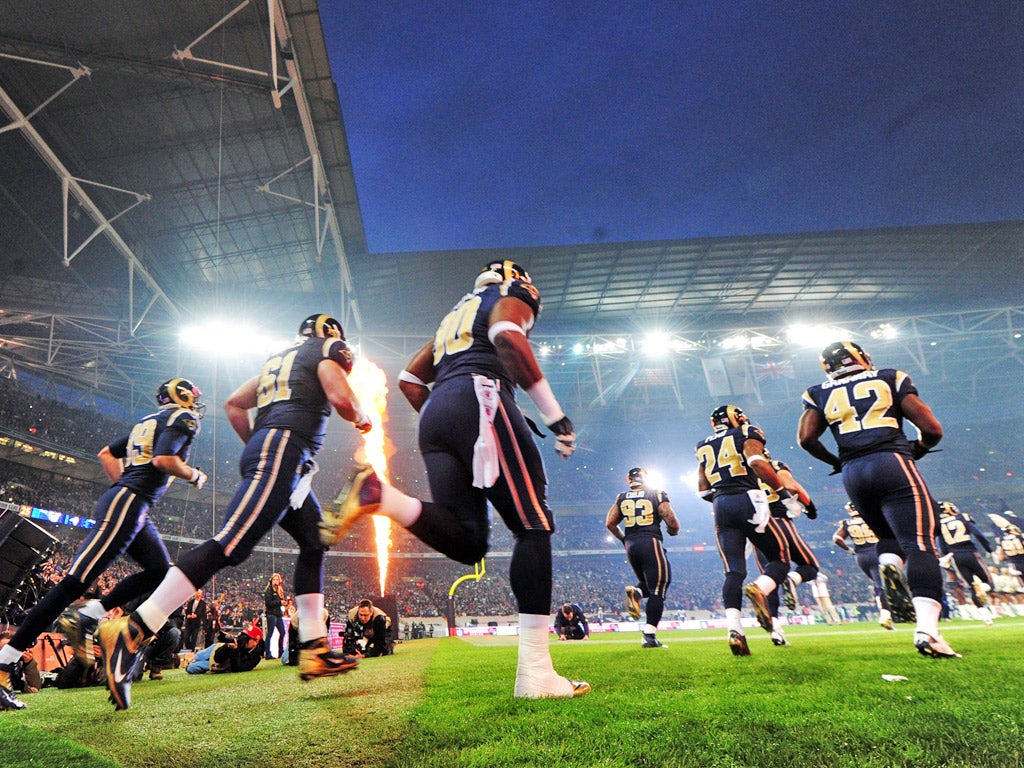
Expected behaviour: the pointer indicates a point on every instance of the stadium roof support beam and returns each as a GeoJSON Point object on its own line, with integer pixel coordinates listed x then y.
{"type": "Point", "coordinates": [281, 58]}
{"type": "Point", "coordinates": [104, 224]}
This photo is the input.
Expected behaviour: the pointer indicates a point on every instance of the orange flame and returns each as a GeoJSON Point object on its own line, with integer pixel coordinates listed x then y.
{"type": "Point", "coordinates": [370, 384]}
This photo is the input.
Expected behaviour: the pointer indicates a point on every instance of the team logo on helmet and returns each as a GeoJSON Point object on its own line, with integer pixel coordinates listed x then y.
{"type": "Point", "coordinates": [321, 327]}
{"type": "Point", "coordinates": [636, 477]}
{"type": "Point", "coordinates": [501, 272]}
{"type": "Point", "coordinates": [182, 393]}
{"type": "Point", "coordinates": [841, 358]}
{"type": "Point", "coordinates": [727, 417]}
{"type": "Point", "coordinates": [949, 508]}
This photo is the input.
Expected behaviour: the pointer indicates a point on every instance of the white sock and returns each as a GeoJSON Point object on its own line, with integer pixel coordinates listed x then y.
{"type": "Point", "coordinates": [93, 609]}
{"type": "Point", "coordinates": [650, 629]}
{"type": "Point", "coordinates": [403, 509]}
{"type": "Point", "coordinates": [311, 616]}
{"type": "Point", "coordinates": [890, 558]}
{"type": "Point", "coordinates": [173, 591]}
{"type": "Point", "coordinates": [776, 624]}
{"type": "Point", "coordinates": [733, 619]}
{"type": "Point", "coordinates": [928, 611]}
{"type": "Point", "coordinates": [766, 584]}
{"type": "Point", "coordinates": [9, 654]}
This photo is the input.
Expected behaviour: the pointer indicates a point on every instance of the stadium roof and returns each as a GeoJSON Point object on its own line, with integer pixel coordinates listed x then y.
{"type": "Point", "coordinates": [166, 162]}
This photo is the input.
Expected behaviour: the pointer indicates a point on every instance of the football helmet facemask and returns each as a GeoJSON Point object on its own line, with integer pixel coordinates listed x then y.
{"type": "Point", "coordinates": [182, 393]}
{"type": "Point", "coordinates": [727, 417]}
{"type": "Point", "coordinates": [501, 272]}
{"type": "Point", "coordinates": [842, 358]}
{"type": "Point", "coordinates": [321, 327]}
{"type": "Point", "coordinates": [636, 477]}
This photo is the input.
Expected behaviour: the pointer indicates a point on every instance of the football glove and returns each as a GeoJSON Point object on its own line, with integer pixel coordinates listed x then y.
{"type": "Point", "coordinates": [198, 478]}
{"type": "Point", "coordinates": [794, 508]}
{"type": "Point", "coordinates": [811, 510]}
{"type": "Point", "coordinates": [565, 437]}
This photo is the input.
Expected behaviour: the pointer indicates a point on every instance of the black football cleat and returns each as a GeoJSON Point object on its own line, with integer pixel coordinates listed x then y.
{"type": "Point", "coordinates": [650, 641]}
{"type": "Point", "coordinates": [738, 643]}
{"type": "Point", "coordinates": [360, 497]}
{"type": "Point", "coordinates": [79, 630]}
{"type": "Point", "coordinates": [8, 699]}
{"type": "Point", "coordinates": [633, 598]}
{"type": "Point", "coordinates": [935, 647]}
{"type": "Point", "coordinates": [897, 594]}
{"type": "Point", "coordinates": [317, 659]}
{"type": "Point", "coordinates": [760, 602]}
{"type": "Point", "coordinates": [121, 642]}
{"type": "Point", "coordinates": [789, 594]}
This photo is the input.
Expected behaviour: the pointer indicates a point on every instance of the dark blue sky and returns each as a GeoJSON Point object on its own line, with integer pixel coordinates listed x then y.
{"type": "Point", "coordinates": [499, 124]}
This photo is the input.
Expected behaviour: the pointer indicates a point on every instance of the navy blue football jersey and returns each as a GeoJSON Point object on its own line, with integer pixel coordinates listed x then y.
{"type": "Point", "coordinates": [863, 411]}
{"type": "Point", "coordinates": [168, 432]}
{"type": "Point", "coordinates": [859, 532]}
{"type": "Point", "coordinates": [639, 510]}
{"type": "Point", "coordinates": [461, 345]}
{"type": "Point", "coordinates": [289, 394]}
{"type": "Point", "coordinates": [774, 502]}
{"type": "Point", "coordinates": [956, 531]}
{"type": "Point", "coordinates": [725, 467]}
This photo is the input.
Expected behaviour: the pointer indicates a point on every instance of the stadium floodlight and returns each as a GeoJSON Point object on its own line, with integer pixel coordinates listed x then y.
{"type": "Point", "coordinates": [815, 335]}
{"type": "Point", "coordinates": [885, 331]}
{"type": "Point", "coordinates": [736, 341]}
{"type": "Point", "coordinates": [656, 344]}
{"type": "Point", "coordinates": [229, 339]}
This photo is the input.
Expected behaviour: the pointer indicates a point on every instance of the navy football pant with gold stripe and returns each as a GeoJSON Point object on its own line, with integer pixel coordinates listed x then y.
{"type": "Point", "coordinates": [456, 523]}
{"type": "Point", "coordinates": [270, 466]}
{"type": "Point", "coordinates": [732, 531]}
{"type": "Point", "coordinates": [892, 497]}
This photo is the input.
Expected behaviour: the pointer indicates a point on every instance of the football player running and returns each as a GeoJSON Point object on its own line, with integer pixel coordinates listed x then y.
{"type": "Point", "coordinates": [865, 550]}
{"type": "Point", "coordinates": [806, 570]}
{"type": "Point", "coordinates": [865, 408]}
{"type": "Point", "coordinates": [642, 510]}
{"type": "Point", "coordinates": [731, 462]}
{"type": "Point", "coordinates": [956, 530]}
{"type": "Point", "coordinates": [477, 447]}
{"type": "Point", "coordinates": [141, 466]}
{"type": "Point", "coordinates": [292, 398]}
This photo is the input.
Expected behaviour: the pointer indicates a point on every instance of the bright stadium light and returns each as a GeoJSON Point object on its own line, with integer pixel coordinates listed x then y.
{"type": "Point", "coordinates": [656, 344]}
{"type": "Point", "coordinates": [224, 338]}
{"type": "Point", "coordinates": [885, 331]}
{"type": "Point", "coordinates": [815, 335]}
{"type": "Point", "coordinates": [655, 479]}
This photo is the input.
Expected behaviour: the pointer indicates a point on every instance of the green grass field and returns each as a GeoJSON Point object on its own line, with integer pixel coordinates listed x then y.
{"type": "Point", "coordinates": [821, 701]}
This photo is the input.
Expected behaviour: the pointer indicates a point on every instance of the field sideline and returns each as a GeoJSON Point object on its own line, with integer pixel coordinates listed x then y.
{"type": "Point", "coordinates": [447, 702]}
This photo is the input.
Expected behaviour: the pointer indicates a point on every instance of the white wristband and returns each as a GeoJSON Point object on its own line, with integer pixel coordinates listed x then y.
{"type": "Point", "coordinates": [755, 457]}
{"type": "Point", "coordinates": [412, 378]}
{"type": "Point", "coordinates": [501, 327]}
{"type": "Point", "coordinates": [544, 399]}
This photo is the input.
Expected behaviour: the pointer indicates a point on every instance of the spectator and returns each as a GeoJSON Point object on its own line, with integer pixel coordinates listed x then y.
{"type": "Point", "coordinates": [367, 632]}
{"type": "Point", "coordinates": [571, 623]}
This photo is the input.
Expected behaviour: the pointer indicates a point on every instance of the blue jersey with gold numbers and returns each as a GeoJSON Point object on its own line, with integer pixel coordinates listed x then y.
{"type": "Point", "coordinates": [289, 395]}
{"type": "Point", "coordinates": [724, 464]}
{"type": "Point", "coordinates": [639, 510]}
{"type": "Point", "coordinates": [461, 345]}
{"type": "Point", "coordinates": [168, 432]}
{"type": "Point", "coordinates": [858, 531]}
{"type": "Point", "coordinates": [863, 411]}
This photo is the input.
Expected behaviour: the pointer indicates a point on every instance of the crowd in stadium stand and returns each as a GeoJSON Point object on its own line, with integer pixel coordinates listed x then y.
{"type": "Point", "coordinates": [419, 580]}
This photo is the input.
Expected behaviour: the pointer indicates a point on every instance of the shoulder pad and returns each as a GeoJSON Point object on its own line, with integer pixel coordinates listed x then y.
{"type": "Point", "coordinates": [753, 431]}
{"type": "Point", "coordinates": [184, 420]}
{"type": "Point", "coordinates": [524, 292]}
{"type": "Point", "coordinates": [338, 351]}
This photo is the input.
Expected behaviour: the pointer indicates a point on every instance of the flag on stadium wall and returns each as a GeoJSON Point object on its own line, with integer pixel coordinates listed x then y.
{"type": "Point", "coordinates": [741, 376]}
{"type": "Point", "coordinates": [773, 369]}
{"type": "Point", "coordinates": [717, 378]}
